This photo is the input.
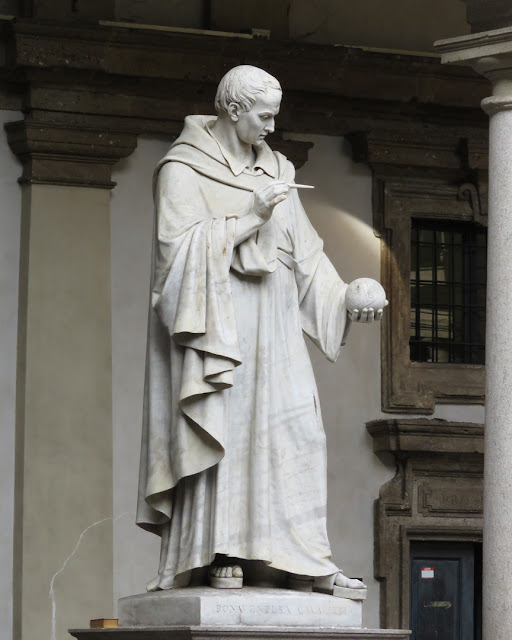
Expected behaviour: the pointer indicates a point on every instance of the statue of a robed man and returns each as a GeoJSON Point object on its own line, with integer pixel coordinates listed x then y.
{"type": "Point", "coordinates": [233, 463]}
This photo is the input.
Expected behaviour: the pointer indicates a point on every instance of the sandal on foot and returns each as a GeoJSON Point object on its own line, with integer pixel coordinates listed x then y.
{"type": "Point", "coordinates": [229, 577]}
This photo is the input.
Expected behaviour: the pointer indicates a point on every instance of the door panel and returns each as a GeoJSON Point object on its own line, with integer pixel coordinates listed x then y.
{"type": "Point", "coordinates": [442, 594]}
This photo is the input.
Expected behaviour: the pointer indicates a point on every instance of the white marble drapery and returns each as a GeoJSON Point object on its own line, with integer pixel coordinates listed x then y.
{"type": "Point", "coordinates": [233, 453]}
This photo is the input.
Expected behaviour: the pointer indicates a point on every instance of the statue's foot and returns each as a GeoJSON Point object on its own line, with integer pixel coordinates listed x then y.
{"type": "Point", "coordinates": [350, 588]}
{"type": "Point", "coordinates": [333, 584]}
{"type": "Point", "coordinates": [300, 583]}
{"type": "Point", "coordinates": [341, 580]}
{"type": "Point", "coordinates": [226, 577]}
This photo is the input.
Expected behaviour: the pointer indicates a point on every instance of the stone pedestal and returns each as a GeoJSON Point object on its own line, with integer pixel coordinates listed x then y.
{"type": "Point", "coordinates": [249, 613]}
{"type": "Point", "coordinates": [250, 606]}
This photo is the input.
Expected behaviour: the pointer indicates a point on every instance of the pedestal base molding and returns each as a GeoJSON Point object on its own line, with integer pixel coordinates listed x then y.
{"type": "Point", "coordinates": [238, 633]}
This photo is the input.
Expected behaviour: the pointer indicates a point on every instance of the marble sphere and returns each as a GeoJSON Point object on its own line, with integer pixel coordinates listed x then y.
{"type": "Point", "coordinates": [364, 293]}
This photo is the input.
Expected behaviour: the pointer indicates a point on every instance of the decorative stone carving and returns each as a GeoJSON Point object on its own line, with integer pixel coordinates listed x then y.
{"type": "Point", "coordinates": [436, 494]}
{"type": "Point", "coordinates": [468, 191]}
{"type": "Point", "coordinates": [443, 501]}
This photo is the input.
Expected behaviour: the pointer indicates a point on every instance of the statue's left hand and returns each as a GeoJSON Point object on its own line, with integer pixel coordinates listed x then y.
{"type": "Point", "coordinates": [367, 314]}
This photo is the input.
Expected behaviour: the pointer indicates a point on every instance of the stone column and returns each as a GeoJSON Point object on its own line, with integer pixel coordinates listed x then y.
{"type": "Point", "coordinates": [63, 461]}
{"type": "Point", "coordinates": [490, 53]}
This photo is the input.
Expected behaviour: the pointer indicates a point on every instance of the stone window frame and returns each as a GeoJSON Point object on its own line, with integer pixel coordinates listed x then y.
{"type": "Point", "coordinates": [416, 386]}
{"type": "Point", "coordinates": [434, 178]}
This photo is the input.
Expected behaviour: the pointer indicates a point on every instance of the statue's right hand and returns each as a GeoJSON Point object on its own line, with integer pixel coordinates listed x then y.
{"type": "Point", "coordinates": [266, 198]}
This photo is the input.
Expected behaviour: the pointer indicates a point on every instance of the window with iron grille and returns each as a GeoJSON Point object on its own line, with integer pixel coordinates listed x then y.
{"type": "Point", "coordinates": [448, 276]}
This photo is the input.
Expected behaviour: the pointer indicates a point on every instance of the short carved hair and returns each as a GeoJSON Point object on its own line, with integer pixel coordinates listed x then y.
{"type": "Point", "coordinates": [241, 86]}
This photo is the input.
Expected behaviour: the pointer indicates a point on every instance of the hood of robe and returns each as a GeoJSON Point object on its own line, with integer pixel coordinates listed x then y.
{"type": "Point", "coordinates": [198, 149]}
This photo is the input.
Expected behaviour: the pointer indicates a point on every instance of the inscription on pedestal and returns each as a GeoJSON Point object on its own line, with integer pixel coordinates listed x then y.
{"type": "Point", "coordinates": [272, 609]}
{"type": "Point", "coordinates": [247, 606]}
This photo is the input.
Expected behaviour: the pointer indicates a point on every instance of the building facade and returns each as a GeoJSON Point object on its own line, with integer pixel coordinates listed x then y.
{"type": "Point", "coordinates": [395, 142]}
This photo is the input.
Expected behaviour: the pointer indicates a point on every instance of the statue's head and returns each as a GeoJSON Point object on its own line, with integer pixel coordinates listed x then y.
{"type": "Point", "coordinates": [250, 98]}
{"type": "Point", "coordinates": [241, 85]}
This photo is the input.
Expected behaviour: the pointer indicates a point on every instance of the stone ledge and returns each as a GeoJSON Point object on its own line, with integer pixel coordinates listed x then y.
{"type": "Point", "coordinates": [421, 435]}
{"type": "Point", "coordinates": [236, 632]}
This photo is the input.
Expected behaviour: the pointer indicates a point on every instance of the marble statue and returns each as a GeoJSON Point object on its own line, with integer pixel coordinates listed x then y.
{"type": "Point", "coordinates": [233, 462]}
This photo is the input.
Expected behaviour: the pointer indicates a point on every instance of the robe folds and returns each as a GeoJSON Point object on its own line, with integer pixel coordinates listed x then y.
{"type": "Point", "coordinates": [233, 457]}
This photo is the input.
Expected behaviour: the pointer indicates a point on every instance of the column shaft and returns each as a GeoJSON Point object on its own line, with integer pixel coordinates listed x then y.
{"type": "Point", "coordinates": [490, 53]}
{"type": "Point", "coordinates": [498, 429]}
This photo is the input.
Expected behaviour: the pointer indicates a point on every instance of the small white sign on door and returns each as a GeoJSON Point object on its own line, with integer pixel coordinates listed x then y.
{"type": "Point", "coordinates": [427, 572]}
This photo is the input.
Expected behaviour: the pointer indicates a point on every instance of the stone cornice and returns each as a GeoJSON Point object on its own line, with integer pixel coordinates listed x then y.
{"type": "Point", "coordinates": [489, 53]}
{"type": "Point", "coordinates": [476, 45]}
{"type": "Point", "coordinates": [423, 436]}
{"type": "Point", "coordinates": [67, 155]}
{"type": "Point", "coordinates": [96, 79]}
{"type": "Point", "coordinates": [322, 84]}
{"type": "Point", "coordinates": [337, 70]}
{"type": "Point", "coordinates": [389, 151]}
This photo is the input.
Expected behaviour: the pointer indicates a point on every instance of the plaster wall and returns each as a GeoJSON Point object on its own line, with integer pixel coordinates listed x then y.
{"type": "Point", "coordinates": [10, 215]}
{"type": "Point", "coordinates": [63, 411]}
{"type": "Point", "coordinates": [340, 209]}
{"type": "Point", "coordinates": [135, 551]}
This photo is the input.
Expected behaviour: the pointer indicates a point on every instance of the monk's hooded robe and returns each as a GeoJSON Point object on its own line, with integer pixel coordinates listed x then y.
{"type": "Point", "coordinates": [233, 456]}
